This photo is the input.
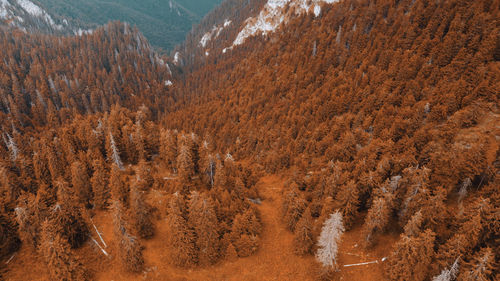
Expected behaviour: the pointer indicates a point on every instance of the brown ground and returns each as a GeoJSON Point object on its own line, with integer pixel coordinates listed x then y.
{"type": "Point", "coordinates": [274, 260]}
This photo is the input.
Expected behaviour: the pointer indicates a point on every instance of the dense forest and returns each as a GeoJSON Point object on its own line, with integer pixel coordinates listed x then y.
{"type": "Point", "coordinates": [380, 119]}
{"type": "Point", "coordinates": [164, 23]}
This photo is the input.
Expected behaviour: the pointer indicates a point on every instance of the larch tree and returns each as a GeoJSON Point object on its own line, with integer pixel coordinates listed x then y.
{"type": "Point", "coordinates": [9, 240]}
{"type": "Point", "coordinates": [482, 267]}
{"type": "Point", "coordinates": [207, 163]}
{"type": "Point", "coordinates": [129, 247]}
{"type": "Point", "coordinates": [292, 207]}
{"type": "Point", "coordinates": [348, 200]}
{"type": "Point", "coordinates": [144, 176]}
{"type": "Point", "coordinates": [112, 152]}
{"type": "Point", "coordinates": [244, 233]}
{"type": "Point", "coordinates": [329, 240]}
{"type": "Point", "coordinates": [99, 182]}
{"type": "Point", "coordinates": [181, 238]}
{"type": "Point", "coordinates": [139, 139]}
{"type": "Point", "coordinates": [185, 164]}
{"type": "Point", "coordinates": [204, 222]}
{"type": "Point", "coordinates": [463, 241]}
{"type": "Point", "coordinates": [168, 148]}
{"type": "Point", "coordinates": [303, 239]}
{"type": "Point", "coordinates": [296, 207]}
{"type": "Point", "coordinates": [411, 257]}
{"type": "Point", "coordinates": [414, 225]}
{"type": "Point", "coordinates": [221, 175]}
{"type": "Point", "coordinates": [61, 262]}
{"type": "Point", "coordinates": [40, 167]}
{"type": "Point", "coordinates": [81, 183]}
{"type": "Point", "coordinates": [231, 253]}
{"type": "Point", "coordinates": [377, 218]}
{"type": "Point", "coordinates": [141, 214]}
{"type": "Point", "coordinates": [28, 221]}
{"type": "Point", "coordinates": [448, 274]}
{"type": "Point", "coordinates": [119, 189]}
{"type": "Point", "coordinates": [67, 217]}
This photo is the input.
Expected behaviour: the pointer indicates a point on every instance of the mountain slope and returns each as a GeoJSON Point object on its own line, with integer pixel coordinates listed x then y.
{"type": "Point", "coordinates": [368, 102]}
{"type": "Point", "coordinates": [164, 23]}
{"type": "Point", "coordinates": [379, 118]}
{"type": "Point", "coordinates": [31, 17]}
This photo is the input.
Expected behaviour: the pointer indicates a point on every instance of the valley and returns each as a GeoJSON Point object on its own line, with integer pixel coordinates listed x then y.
{"type": "Point", "coordinates": [274, 140]}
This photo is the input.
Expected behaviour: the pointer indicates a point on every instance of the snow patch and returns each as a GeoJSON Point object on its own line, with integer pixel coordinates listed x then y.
{"type": "Point", "coordinates": [3, 9]}
{"type": "Point", "coordinates": [35, 10]}
{"type": "Point", "coordinates": [317, 10]}
{"type": "Point", "coordinates": [168, 83]}
{"type": "Point", "coordinates": [81, 32]}
{"type": "Point", "coordinates": [177, 58]}
{"type": "Point", "coordinates": [214, 33]}
{"type": "Point", "coordinates": [276, 12]}
{"type": "Point", "coordinates": [31, 8]}
{"type": "Point", "coordinates": [206, 37]}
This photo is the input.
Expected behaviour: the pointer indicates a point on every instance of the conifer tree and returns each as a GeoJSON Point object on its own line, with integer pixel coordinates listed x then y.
{"type": "Point", "coordinates": [119, 189]}
{"type": "Point", "coordinates": [168, 148]}
{"type": "Point", "coordinates": [221, 175]}
{"type": "Point", "coordinates": [81, 183]}
{"type": "Point", "coordinates": [113, 153]}
{"type": "Point", "coordinates": [9, 240]}
{"type": "Point", "coordinates": [348, 200]}
{"type": "Point", "coordinates": [54, 161]}
{"type": "Point", "coordinates": [327, 208]}
{"type": "Point", "coordinates": [144, 176]}
{"type": "Point", "coordinates": [68, 221]}
{"type": "Point", "coordinates": [129, 247]}
{"type": "Point", "coordinates": [461, 242]}
{"type": "Point", "coordinates": [303, 239]}
{"type": "Point", "coordinates": [181, 238]}
{"type": "Point", "coordinates": [231, 253]}
{"type": "Point", "coordinates": [56, 251]}
{"type": "Point", "coordinates": [377, 218]}
{"type": "Point", "coordinates": [328, 242]}
{"type": "Point", "coordinates": [294, 212]}
{"type": "Point", "coordinates": [207, 163]}
{"type": "Point", "coordinates": [481, 268]}
{"type": "Point", "coordinates": [448, 274]}
{"type": "Point", "coordinates": [141, 214]}
{"type": "Point", "coordinates": [28, 221]}
{"type": "Point", "coordinates": [246, 245]}
{"type": "Point", "coordinates": [411, 257]}
{"type": "Point", "coordinates": [414, 225]}
{"type": "Point", "coordinates": [99, 182]}
{"type": "Point", "coordinates": [203, 220]}
{"type": "Point", "coordinates": [185, 165]}
{"type": "Point", "coordinates": [40, 168]}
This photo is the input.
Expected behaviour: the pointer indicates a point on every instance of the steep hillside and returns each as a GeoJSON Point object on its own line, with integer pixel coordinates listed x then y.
{"type": "Point", "coordinates": [31, 17]}
{"type": "Point", "coordinates": [164, 23]}
{"type": "Point", "coordinates": [292, 140]}
{"type": "Point", "coordinates": [369, 104]}
{"type": "Point", "coordinates": [47, 80]}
